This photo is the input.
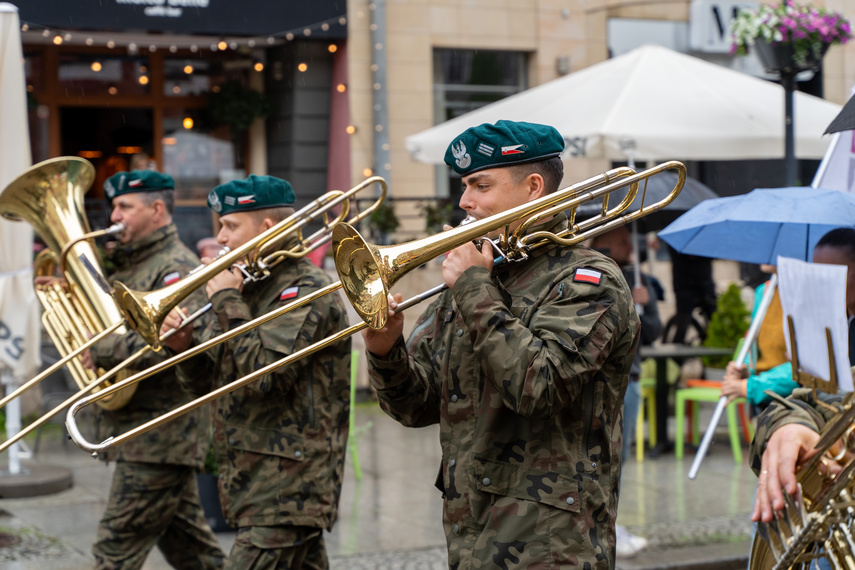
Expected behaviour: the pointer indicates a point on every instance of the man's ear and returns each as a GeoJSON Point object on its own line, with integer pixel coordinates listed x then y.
{"type": "Point", "coordinates": [159, 210]}
{"type": "Point", "coordinates": [536, 186]}
{"type": "Point", "coordinates": [266, 224]}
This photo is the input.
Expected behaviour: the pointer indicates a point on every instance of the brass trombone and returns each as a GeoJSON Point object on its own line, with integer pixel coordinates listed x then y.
{"type": "Point", "coordinates": [148, 310]}
{"type": "Point", "coordinates": [367, 272]}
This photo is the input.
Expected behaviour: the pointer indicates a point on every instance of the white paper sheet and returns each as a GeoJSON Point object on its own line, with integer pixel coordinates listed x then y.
{"type": "Point", "coordinates": [814, 295]}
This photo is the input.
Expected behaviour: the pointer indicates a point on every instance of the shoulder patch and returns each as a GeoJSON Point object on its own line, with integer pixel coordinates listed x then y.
{"type": "Point", "coordinates": [289, 293]}
{"type": "Point", "coordinates": [585, 275]}
{"type": "Point", "coordinates": [171, 278]}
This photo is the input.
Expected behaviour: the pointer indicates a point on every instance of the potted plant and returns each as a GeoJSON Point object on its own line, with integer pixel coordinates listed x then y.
{"type": "Point", "coordinates": [727, 325]}
{"type": "Point", "coordinates": [437, 214]}
{"type": "Point", "coordinates": [788, 37]}
{"type": "Point", "coordinates": [383, 221]}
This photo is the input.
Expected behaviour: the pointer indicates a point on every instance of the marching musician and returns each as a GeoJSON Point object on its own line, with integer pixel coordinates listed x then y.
{"type": "Point", "coordinates": [153, 498]}
{"type": "Point", "coordinates": [524, 367]}
{"type": "Point", "coordinates": [279, 441]}
{"type": "Point", "coordinates": [788, 430]}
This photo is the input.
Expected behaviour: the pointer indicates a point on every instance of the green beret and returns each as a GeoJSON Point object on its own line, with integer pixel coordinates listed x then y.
{"type": "Point", "coordinates": [254, 193]}
{"type": "Point", "coordinates": [137, 181]}
{"type": "Point", "coordinates": [504, 144]}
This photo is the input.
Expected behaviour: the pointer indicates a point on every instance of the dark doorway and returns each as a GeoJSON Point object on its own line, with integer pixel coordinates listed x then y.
{"type": "Point", "coordinates": [107, 138]}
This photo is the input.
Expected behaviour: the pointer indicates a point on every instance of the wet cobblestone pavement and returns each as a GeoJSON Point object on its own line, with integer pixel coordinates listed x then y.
{"type": "Point", "coordinates": [391, 519]}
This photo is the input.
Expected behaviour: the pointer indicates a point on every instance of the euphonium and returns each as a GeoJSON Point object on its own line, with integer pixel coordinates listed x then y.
{"type": "Point", "coordinates": [49, 196]}
{"type": "Point", "coordinates": [819, 521]}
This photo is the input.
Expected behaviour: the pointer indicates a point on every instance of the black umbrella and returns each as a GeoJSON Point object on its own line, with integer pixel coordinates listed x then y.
{"type": "Point", "coordinates": [845, 119]}
{"type": "Point", "coordinates": [658, 187]}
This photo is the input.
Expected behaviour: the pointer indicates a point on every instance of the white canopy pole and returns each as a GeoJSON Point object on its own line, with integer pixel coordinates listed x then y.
{"type": "Point", "coordinates": [750, 337]}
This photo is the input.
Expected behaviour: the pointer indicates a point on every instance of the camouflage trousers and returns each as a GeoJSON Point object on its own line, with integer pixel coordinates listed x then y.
{"type": "Point", "coordinates": [278, 548]}
{"type": "Point", "coordinates": [516, 534]}
{"type": "Point", "coordinates": [155, 504]}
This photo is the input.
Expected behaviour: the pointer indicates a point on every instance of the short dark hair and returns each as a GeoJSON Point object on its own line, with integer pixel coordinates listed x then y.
{"type": "Point", "coordinates": [840, 238]}
{"type": "Point", "coordinates": [276, 214]}
{"type": "Point", "coordinates": [551, 170]}
{"type": "Point", "coordinates": [165, 196]}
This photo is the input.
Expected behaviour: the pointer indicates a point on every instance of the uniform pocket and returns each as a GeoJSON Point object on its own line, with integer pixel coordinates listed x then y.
{"type": "Point", "coordinates": [522, 482]}
{"type": "Point", "coordinates": [266, 441]}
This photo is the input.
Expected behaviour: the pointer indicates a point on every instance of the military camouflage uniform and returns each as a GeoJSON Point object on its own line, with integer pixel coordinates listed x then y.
{"type": "Point", "coordinates": [154, 497]}
{"type": "Point", "coordinates": [798, 408]}
{"type": "Point", "coordinates": [525, 371]}
{"type": "Point", "coordinates": [280, 440]}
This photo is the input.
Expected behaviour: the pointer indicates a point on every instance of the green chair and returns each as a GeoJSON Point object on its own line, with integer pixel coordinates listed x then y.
{"type": "Point", "coordinates": [648, 402]}
{"type": "Point", "coordinates": [709, 391]}
{"type": "Point", "coordinates": [352, 435]}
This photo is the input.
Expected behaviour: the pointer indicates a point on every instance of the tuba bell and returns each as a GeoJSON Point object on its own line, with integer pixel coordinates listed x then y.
{"type": "Point", "coordinates": [49, 196]}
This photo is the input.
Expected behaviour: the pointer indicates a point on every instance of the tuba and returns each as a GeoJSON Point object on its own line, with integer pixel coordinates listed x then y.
{"type": "Point", "coordinates": [819, 521]}
{"type": "Point", "coordinates": [49, 196]}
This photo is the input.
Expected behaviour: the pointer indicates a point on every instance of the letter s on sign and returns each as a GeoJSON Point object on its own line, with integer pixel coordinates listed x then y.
{"type": "Point", "coordinates": [575, 146]}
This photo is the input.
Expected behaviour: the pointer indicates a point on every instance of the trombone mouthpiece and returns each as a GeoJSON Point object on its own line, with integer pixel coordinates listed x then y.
{"type": "Point", "coordinates": [115, 229]}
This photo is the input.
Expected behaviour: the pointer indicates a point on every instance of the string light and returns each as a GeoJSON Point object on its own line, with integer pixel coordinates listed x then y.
{"type": "Point", "coordinates": [143, 79]}
{"type": "Point", "coordinates": [341, 87]}
{"type": "Point", "coordinates": [66, 36]}
{"type": "Point", "coordinates": [332, 48]}
{"type": "Point", "coordinates": [258, 66]}
{"type": "Point", "coordinates": [188, 69]}
{"type": "Point", "coordinates": [96, 66]}
{"type": "Point", "coordinates": [350, 129]}
{"type": "Point", "coordinates": [367, 172]}
{"type": "Point", "coordinates": [187, 123]}
{"type": "Point", "coordinates": [302, 67]}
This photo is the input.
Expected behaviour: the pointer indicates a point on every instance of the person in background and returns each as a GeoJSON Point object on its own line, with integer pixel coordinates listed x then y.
{"type": "Point", "coordinates": [153, 498]}
{"type": "Point", "coordinates": [617, 244]}
{"type": "Point", "coordinates": [141, 161]}
{"type": "Point", "coordinates": [279, 441]}
{"type": "Point", "coordinates": [788, 429]}
{"type": "Point", "coordinates": [208, 247]}
{"type": "Point", "coordinates": [523, 366]}
{"type": "Point", "coordinates": [773, 370]}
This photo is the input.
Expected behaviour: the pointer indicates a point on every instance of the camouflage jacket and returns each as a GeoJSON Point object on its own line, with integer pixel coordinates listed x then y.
{"type": "Point", "coordinates": [280, 440]}
{"type": "Point", "coordinates": [798, 408]}
{"type": "Point", "coordinates": [149, 264]}
{"type": "Point", "coordinates": [525, 371]}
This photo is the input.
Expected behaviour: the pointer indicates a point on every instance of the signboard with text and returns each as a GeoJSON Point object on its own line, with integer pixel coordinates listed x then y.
{"type": "Point", "coordinates": [709, 23]}
{"type": "Point", "coordinates": [215, 17]}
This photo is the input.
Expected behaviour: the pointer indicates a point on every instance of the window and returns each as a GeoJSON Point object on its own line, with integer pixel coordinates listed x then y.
{"type": "Point", "coordinates": [465, 80]}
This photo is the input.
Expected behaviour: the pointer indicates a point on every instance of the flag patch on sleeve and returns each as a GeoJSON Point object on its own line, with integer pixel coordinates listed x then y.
{"type": "Point", "coordinates": [289, 293]}
{"type": "Point", "coordinates": [587, 276]}
{"type": "Point", "coordinates": [171, 278]}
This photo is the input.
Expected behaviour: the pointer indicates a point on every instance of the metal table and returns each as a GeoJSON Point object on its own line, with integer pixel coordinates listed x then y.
{"type": "Point", "coordinates": [661, 353]}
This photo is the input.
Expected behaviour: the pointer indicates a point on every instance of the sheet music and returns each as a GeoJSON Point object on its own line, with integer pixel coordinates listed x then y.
{"type": "Point", "coordinates": [814, 295]}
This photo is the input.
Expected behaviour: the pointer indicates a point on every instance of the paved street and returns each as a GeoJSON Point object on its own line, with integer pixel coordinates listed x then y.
{"type": "Point", "coordinates": [391, 519]}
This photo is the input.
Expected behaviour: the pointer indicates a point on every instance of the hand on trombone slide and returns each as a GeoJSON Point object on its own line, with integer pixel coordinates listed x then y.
{"type": "Point", "coordinates": [180, 339]}
{"type": "Point", "coordinates": [380, 341]}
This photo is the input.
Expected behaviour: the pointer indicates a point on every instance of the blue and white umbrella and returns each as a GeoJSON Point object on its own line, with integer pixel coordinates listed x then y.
{"type": "Point", "coordinates": [759, 226]}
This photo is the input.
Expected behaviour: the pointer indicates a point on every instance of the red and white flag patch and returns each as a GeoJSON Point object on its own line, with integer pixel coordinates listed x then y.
{"type": "Point", "coordinates": [135, 183]}
{"type": "Point", "coordinates": [171, 278]}
{"type": "Point", "coordinates": [246, 199]}
{"type": "Point", "coordinates": [289, 293]}
{"type": "Point", "coordinates": [587, 276]}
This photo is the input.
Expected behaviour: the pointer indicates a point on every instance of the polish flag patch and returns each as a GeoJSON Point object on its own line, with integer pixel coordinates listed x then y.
{"type": "Point", "coordinates": [289, 293]}
{"type": "Point", "coordinates": [134, 183]}
{"type": "Point", "coordinates": [171, 278]}
{"type": "Point", "coordinates": [587, 276]}
{"type": "Point", "coordinates": [514, 149]}
{"type": "Point", "coordinates": [246, 199]}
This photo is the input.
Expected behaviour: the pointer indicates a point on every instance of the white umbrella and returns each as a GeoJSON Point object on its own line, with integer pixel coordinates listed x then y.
{"type": "Point", "coordinates": [653, 104]}
{"type": "Point", "coordinates": [19, 308]}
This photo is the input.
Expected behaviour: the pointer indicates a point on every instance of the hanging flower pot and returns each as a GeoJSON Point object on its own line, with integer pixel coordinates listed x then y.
{"type": "Point", "coordinates": [781, 57]}
{"type": "Point", "coordinates": [788, 37]}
